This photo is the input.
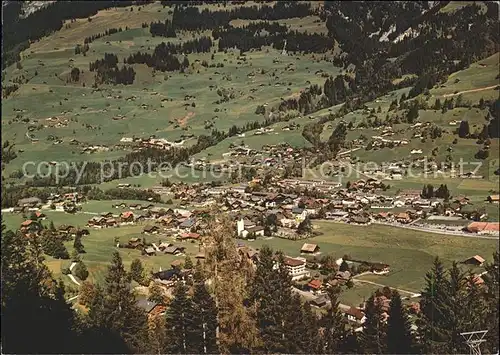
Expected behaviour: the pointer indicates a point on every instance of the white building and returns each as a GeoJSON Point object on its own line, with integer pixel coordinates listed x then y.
{"type": "Point", "coordinates": [296, 268]}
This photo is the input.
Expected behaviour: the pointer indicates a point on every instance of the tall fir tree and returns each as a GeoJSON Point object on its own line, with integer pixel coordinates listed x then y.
{"type": "Point", "coordinates": [334, 324]}
{"type": "Point", "coordinates": [492, 300]}
{"type": "Point", "coordinates": [180, 323]}
{"type": "Point", "coordinates": [115, 307]}
{"type": "Point", "coordinates": [205, 323]}
{"type": "Point", "coordinates": [432, 318]}
{"type": "Point", "coordinates": [302, 324]}
{"type": "Point", "coordinates": [373, 336]}
{"type": "Point", "coordinates": [400, 339]}
{"type": "Point", "coordinates": [271, 293]}
{"type": "Point", "coordinates": [77, 244]}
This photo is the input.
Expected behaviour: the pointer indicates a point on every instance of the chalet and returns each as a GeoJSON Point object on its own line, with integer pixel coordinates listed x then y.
{"type": "Point", "coordinates": [149, 251]}
{"type": "Point", "coordinates": [256, 231]}
{"type": "Point", "coordinates": [342, 276]}
{"type": "Point", "coordinates": [360, 220]}
{"type": "Point", "coordinates": [320, 301]}
{"type": "Point", "coordinates": [135, 206]}
{"type": "Point", "coordinates": [66, 229]}
{"type": "Point", "coordinates": [187, 224]}
{"type": "Point", "coordinates": [96, 222]}
{"type": "Point", "coordinates": [168, 275]}
{"type": "Point", "coordinates": [29, 202]}
{"type": "Point", "coordinates": [379, 268]}
{"type": "Point", "coordinates": [493, 198]}
{"type": "Point", "coordinates": [40, 215]}
{"type": "Point", "coordinates": [383, 216]}
{"type": "Point", "coordinates": [403, 217]}
{"type": "Point", "coordinates": [127, 216]}
{"type": "Point", "coordinates": [173, 250]}
{"type": "Point", "coordinates": [315, 285]}
{"type": "Point", "coordinates": [189, 236]}
{"type": "Point", "coordinates": [150, 229]}
{"type": "Point", "coordinates": [30, 226]}
{"type": "Point", "coordinates": [147, 306]}
{"type": "Point", "coordinates": [134, 243]}
{"type": "Point", "coordinates": [355, 315]}
{"type": "Point", "coordinates": [111, 222]}
{"type": "Point", "coordinates": [309, 248]}
{"type": "Point", "coordinates": [474, 260]}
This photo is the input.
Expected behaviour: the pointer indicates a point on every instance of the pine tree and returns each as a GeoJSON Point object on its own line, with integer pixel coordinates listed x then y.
{"type": "Point", "coordinates": [432, 318]}
{"type": "Point", "coordinates": [334, 324]}
{"type": "Point", "coordinates": [205, 321]}
{"type": "Point", "coordinates": [115, 309]}
{"type": "Point", "coordinates": [271, 292]}
{"type": "Point", "coordinates": [373, 336]}
{"type": "Point", "coordinates": [188, 263]}
{"type": "Point", "coordinates": [137, 271]}
{"type": "Point", "coordinates": [464, 130]}
{"type": "Point", "coordinates": [78, 244]}
{"type": "Point", "coordinates": [399, 335]}
{"type": "Point", "coordinates": [180, 323]}
{"type": "Point", "coordinates": [302, 325]}
{"type": "Point", "coordinates": [81, 271]}
{"type": "Point", "coordinates": [492, 299]}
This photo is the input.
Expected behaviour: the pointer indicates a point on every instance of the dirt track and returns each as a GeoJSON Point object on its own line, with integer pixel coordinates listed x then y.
{"type": "Point", "coordinates": [472, 90]}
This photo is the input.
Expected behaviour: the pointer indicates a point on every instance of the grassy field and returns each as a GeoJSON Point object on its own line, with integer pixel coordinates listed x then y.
{"type": "Point", "coordinates": [408, 252]}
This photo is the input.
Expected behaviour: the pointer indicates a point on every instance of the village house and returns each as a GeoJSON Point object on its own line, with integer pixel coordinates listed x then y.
{"type": "Point", "coordinates": [475, 260]}
{"type": "Point", "coordinates": [315, 285]}
{"type": "Point", "coordinates": [309, 248]}
{"type": "Point", "coordinates": [188, 236]}
{"type": "Point", "coordinates": [355, 315]}
{"type": "Point", "coordinates": [30, 226]}
{"type": "Point", "coordinates": [135, 243]}
{"type": "Point", "coordinates": [149, 251]}
{"type": "Point", "coordinates": [403, 217]}
{"type": "Point", "coordinates": [493, 198]}
{"type": "Point", "coordinates": [96, 222]}
{"type": "Point", "coordinates": [320, 301]}
{"type": "Point", "coordinates": [29, 202]}
{"type": "Point", "coordinates": [150, 229]}
{"type": "Point", "coordinates": [127, 217]}
{"type": "Point", "coordinates": [150, 308]}
{"type": "Point", "coordinates": [379, 268]}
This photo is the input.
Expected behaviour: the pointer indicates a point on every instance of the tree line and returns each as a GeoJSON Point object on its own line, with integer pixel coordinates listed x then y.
{"type": "Point", "coordinates": [165, 55]}
{"type": "Point", "coordinates": [257, 35]}
{"type": "Point", "coordinates": [192, 19]}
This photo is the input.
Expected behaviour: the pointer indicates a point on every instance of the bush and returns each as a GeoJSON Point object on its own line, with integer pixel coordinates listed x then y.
{"type": "Point", "coordinates": [66, 271]}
